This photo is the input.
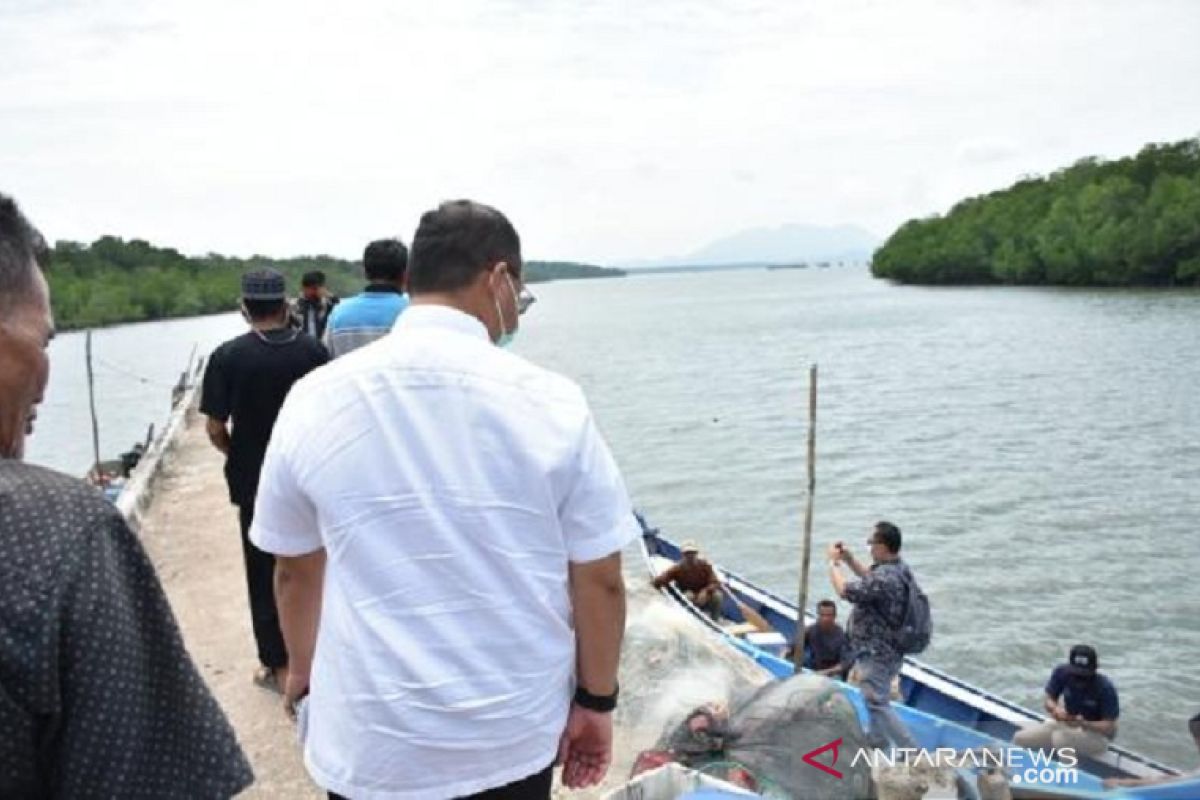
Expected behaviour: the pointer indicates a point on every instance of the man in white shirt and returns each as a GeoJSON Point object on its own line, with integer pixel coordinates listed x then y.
{"type": "Point", "coordinates": [466, 519]}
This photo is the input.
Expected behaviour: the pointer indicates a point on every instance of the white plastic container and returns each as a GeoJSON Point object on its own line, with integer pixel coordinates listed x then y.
{"type": "Point", "coordinates": [669, 782]}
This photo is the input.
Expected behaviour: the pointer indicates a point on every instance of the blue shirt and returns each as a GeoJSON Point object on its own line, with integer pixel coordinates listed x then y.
{"type": "Point", "coordinates": [879, 598]}
{"type": "Point", "coordinates": [363, 318]}
{"type": "Point", "coordinates": [1093, 698]}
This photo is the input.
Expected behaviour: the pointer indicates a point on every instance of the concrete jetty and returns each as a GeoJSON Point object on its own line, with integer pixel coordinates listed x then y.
{"type": "Point", "coordinates": [181, 507]}
{"type": "Point", "coordinates": [191, 533]}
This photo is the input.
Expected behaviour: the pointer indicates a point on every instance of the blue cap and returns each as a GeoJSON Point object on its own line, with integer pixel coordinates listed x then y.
{"type": "Point", "coordinates": [263, 284]}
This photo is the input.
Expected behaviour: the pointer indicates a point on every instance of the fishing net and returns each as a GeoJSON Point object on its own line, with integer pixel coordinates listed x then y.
{"type": "Point", "coordinates": [688, 697]}
{"type": "Point", "coordinates": [793, 738]}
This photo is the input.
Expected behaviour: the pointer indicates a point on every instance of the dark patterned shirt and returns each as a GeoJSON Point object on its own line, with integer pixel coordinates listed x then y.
{"type": "Point", "coordinates": [879, 599]}
{"type": "Point", "coordinates": [98, 697]}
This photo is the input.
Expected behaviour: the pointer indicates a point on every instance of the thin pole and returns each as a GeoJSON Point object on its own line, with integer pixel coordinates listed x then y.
{"type": "Point", "coordinates": [92, 403]}
{"type": "Point", "coordinates": [798, 644]}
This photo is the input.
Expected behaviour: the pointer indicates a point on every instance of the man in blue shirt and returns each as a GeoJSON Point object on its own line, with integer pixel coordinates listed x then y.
{"type": "Point", "coordinates": [370, 315]}
{"type": "Point", "coordinates": [1082, 705]}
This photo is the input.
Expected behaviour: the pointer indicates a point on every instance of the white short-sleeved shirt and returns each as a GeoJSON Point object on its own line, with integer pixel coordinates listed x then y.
{"type": "Point", "coordinates": [450, 483]}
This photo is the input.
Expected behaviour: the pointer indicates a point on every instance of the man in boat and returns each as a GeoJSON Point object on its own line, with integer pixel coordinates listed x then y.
{"type": "Point", "coordinates": [826, 647]}
{"type": "Point", "coordinates": [1083, 708]}
{"type": "Point", "coordinates": [1194, 729]}
{"type": "Point", "coordinates": [454, 518]}
{"type": "Point", "coordinates": [879, 594]}
{"type": "Point", "coordinates": [314, 305]}
{"type": "Point", "coordinates": [370, 315]}
{"type": "Point", "coordinates": [245, 383]}
{"type": "Point", "coordinates": [98, 697]}
{"type": "Point", "coordinates": [696, 578]}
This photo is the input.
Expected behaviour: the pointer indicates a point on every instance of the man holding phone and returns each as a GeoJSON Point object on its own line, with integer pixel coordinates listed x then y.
{"type": "Point", "coordinates": [879, 594]}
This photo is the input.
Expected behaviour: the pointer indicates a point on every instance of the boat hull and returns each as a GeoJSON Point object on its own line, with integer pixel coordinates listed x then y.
{"type": "Point", "coordinates": [923, 688]}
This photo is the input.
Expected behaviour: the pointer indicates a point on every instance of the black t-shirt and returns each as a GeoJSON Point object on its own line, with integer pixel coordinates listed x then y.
{"type": "Point", "coordinates": [247, 379]}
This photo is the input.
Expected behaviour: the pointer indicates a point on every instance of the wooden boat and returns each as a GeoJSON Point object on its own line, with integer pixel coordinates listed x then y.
{"type": "Point", "coordinates": [941, 710]}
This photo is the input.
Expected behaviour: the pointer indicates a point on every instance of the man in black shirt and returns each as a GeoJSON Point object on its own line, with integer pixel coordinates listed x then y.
{"type": "Point", "coordinates": [98, 697]}
{"type": "Point", "coordinates": [246, 381]}
{"type": "Point", "coordinates": [314, 305]}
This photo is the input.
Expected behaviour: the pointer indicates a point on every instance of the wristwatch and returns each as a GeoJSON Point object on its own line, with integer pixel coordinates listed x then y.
{"type": "Point", "coordinates": [602, 703]}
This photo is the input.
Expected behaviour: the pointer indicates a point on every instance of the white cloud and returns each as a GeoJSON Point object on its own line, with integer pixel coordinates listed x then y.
{"type": "Point", "coordinates": [607, 130]}
{"type": "Point", "coordinates": [986, 151]}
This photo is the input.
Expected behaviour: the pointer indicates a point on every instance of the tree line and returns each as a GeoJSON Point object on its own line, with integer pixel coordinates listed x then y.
{"type": "Point", "coordinates": [1130, 222]}
{"type": "Point", "coordinates": [113, 280]}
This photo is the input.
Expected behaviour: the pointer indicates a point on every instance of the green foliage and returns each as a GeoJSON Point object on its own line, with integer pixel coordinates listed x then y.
{"type": "Point", "coordinates": [541, 271]}
{"type": "Point", "coordinates": [1135, 221]}
{"type": "Point", "coordinates": [114, 280]}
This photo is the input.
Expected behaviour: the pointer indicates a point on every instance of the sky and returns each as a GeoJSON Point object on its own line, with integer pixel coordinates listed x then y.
{"type": "Point", "coordinates": [608, 131]}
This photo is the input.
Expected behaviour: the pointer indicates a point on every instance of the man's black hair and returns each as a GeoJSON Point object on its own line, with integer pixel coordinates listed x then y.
{"type": "Point", "coordinates": [314, 278]}
{"type": "Point", "coordinates": [1194, 726]}
{"type": "Point", "coordinates": [259, 310]}
{"type": "Point", "coordinates": [385, 260]}
{"type": "Point", "coordinates": [888, 535]}
{"type": "Point", "coordinates": [458, 240]}
{"type": "Point", "coordinates": [21, 247]}
{"type": "Point", "coordinates": [827, 604]}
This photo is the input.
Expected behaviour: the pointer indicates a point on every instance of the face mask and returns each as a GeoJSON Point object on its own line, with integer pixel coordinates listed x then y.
{"type": "Point", "coordinates": [506, 336]}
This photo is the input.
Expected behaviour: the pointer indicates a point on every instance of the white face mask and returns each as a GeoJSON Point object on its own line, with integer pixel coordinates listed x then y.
{"type": "Point", "coordinates": [506, 336]}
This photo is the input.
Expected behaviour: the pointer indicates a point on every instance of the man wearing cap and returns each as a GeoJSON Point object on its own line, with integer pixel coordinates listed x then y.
{"type": "Point", "coordinates": [245, 384]}
{"type": "Point", "coordinates": [1082, 705]}
{"type": "Point", "coordinates": [696, 578]}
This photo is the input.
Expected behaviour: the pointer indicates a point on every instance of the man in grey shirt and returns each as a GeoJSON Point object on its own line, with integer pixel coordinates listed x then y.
{"type": "Point", "coordinates": [826, 648]}
{"type": "Point", "coordinates": [879, 594]}
{"type": "Point", "coordinates": [98, 697]}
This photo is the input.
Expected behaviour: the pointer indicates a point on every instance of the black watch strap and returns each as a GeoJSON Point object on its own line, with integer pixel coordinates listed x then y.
{"type": "Point", "coordinates": [596, 702]}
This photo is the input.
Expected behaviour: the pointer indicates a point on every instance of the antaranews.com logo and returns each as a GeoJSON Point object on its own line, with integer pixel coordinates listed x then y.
{"type": "Point", "coordinates": [1047, 768]}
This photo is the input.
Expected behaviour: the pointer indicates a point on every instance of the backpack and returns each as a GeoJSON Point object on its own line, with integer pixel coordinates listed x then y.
{"type": "Point", "coordinates": [916, 628]}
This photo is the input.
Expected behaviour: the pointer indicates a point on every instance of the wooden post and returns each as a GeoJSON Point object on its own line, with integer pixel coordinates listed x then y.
{"type": "Point", "coordinates": [798, 643]}
{"type": "Point", "coordinates": [92, 405]}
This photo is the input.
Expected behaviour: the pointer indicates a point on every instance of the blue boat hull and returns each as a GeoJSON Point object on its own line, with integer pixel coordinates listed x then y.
{"type": "Point", "coordinates": [940, 709]}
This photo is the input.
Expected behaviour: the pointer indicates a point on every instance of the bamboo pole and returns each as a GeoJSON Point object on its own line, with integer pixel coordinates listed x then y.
{"type": "Point", "coordinates": [92, 404]}
{"type": "Point", "coordinates": [798, 644]}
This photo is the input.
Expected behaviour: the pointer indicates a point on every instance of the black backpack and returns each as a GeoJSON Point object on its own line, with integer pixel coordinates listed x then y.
{"type": "Point", "coordinates": [916, 628]}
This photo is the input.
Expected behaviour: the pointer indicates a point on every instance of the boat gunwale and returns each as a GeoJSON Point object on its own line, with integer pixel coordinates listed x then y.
{"type": "Point", "coordinates": [1115, 757]}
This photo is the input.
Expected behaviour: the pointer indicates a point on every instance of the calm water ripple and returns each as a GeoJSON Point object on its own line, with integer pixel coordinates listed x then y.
{"type": "Point", "coordinates": [1040, 449]}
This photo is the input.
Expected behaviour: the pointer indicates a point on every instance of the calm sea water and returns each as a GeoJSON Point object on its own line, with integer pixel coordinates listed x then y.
{"type": "Point", "coordinates": [1039, 448]}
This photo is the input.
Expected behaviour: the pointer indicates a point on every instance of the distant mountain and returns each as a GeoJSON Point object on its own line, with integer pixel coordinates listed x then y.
{"type": "Point", "coordinates": [782, 245]}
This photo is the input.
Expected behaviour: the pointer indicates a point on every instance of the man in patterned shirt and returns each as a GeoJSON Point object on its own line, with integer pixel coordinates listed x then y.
{"type": "Point", "coordinates": [98, 697]}
{"type": "Point", "coordinates": [879, 597]}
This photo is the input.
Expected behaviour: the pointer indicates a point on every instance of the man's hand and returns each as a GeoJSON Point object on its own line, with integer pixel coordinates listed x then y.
{"type": "Point", "coordinates": [834, 552]}
{"type": "Point", "coordinates": [218, 434]}
{"type": "Point", "coordinates": [702, 597]}
{"type": "Point", "coordinates": [585, 750]}
{"type": "Point", "coordinates": [294, 690]}
{"type": "Point", "coordinates": [1073, 720]}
